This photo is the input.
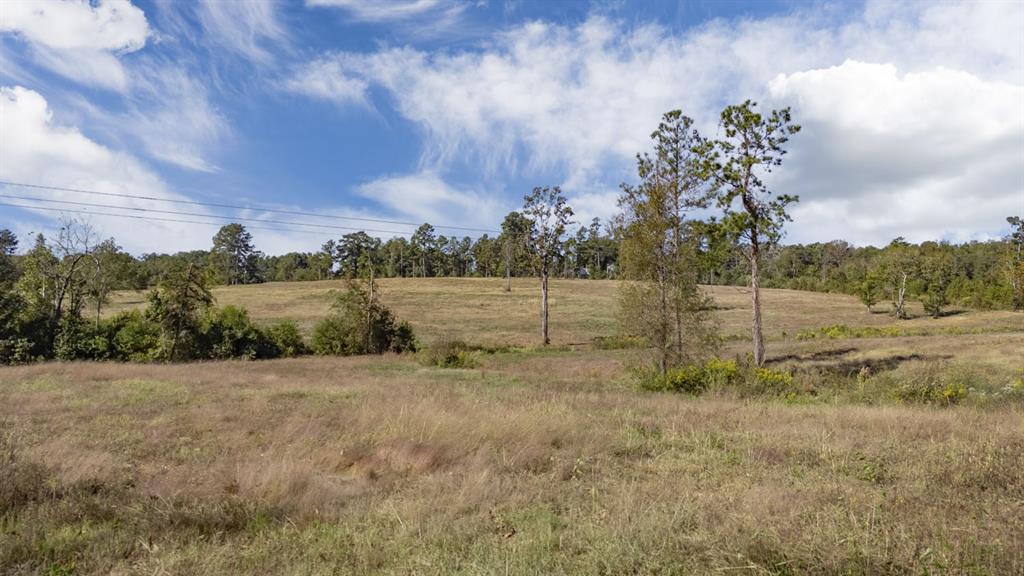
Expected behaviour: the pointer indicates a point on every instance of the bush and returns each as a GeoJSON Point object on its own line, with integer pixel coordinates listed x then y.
{"type": "Point", "coordinates": [134, 337]}
{"type": "Point", "coordinates": [285, 338]}
{"type": "Point", "coordinates": [360, 324]}
{"type": "Point", "coordinates": [772, 380]}
{"type": "Point", "coordinates": [15, 351]}
{"type": "Point", "coordinates": [446, 353]}
{"type": "Point", "coordinates": [229, 333]}
{"type": "Point", "coordinates": [693, 378]}
{"type": "Point", "coordinates": [939, 385]}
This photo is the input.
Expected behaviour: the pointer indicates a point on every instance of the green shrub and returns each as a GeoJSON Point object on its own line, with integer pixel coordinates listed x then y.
{"type": "Point", "coordinates": [687, 379]}
{"type": "Point", "coordinates": [229, 333]}
{"type": "Point", "coordinates": [135, 338]}
{"type": "Point", "coordinates": [773, 379]}
{"type": "Point", "coordinates": [336, 336]}
{"type": "Point", "coordinates": [286, 339]}
{"type": "Point", "coordinates": [722, 373]}
{"type": "Point", "coordinates": [16, 351]}
{"type": "Point", "coordinates": [692, 378]}
{"type": "Point", "coordinates": [446, 353]}
{"type": "Point", "coordinates": [933, 386]}
{"type": "Point", "coordinates": [360, 324]}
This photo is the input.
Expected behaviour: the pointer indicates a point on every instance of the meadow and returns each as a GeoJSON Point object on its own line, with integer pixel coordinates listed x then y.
{"type": "Point", "coordinates": [532, 461]}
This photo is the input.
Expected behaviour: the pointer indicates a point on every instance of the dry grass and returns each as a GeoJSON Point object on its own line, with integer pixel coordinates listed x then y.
{"type": "Point", "coordinates": [533, 464]}
{"type": "Point", "coordinates": [478, 310]}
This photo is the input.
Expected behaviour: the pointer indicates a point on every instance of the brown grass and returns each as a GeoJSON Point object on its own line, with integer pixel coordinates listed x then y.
{"type": "Point", "coordinates": [532, 464]}
{"type": "Point", "coordinates": [479, 311]}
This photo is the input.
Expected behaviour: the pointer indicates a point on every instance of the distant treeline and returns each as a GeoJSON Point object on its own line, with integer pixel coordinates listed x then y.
{"type": "Point", "coordinates": [983, 275]}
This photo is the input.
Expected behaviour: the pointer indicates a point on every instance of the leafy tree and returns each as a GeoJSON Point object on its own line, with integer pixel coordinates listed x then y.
{"type": "Point", "coordinates": [868, 292]}
{"type": "Point", "coordinates": [661, 299]}
{"type": "Point", "coordinates": [424, 248]}
{"type": "Point", "coordinates": [549, 215]}
{"type": "Point", "coordinates": [10, 300]}
{"type": "Point", "coordinates": [938, 268]}
{"type": "Point", "coordinates": [177, 306]}
{"type": "Point", "coordinates": [356, 253]}
{"type": "Point", "coordinates": [514, 241]}
{"type": "Point", "coordinates": [234, 257]}
{"type": "Point", "coordinates": [753, 146]}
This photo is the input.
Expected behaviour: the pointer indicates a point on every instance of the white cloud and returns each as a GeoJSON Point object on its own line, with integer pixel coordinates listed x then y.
{"type": "Point", "coordinates": [326, 79]}
{"type": "Point", "coordinates": [575, 104]}
{"type": "Point", "coordinates": [37, 150]}
{"type": "Point", "coordinates": [243, 27]}
{"type": "Point", "coordinates": [923, 154]}
{"type": "Point", "coordinates": [425, 197]}
{"type": "Point", "coordinates": [78, 39]}
{"type": "Point", "coordinates": [377, 11]}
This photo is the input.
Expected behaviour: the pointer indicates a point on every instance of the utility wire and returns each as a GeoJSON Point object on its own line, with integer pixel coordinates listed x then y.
{"type": "Point", "coordinates": [153, 218]}
{"type": "Point", "coordinates": [236, 207]}
{"type": "Point", "coordinates": [179, 213]}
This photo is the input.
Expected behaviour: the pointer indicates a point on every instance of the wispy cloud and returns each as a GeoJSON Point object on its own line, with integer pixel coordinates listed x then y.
{"type": "Point", "coordinates": [377, 11]}
{"type": "Point", "coordinates": [575, 103]}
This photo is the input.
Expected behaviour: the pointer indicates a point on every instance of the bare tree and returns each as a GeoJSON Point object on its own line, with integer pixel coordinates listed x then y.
{"type": "Point", "coordinates": [549, 215]}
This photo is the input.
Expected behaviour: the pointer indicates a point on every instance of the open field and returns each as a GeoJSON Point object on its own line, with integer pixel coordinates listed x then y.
{"type": "Point", "coordinates": [533, 462]}
{"type": "Point", "coordinates": [479, 310]}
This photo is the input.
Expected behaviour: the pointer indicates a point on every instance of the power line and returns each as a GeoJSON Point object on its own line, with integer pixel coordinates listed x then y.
{"type": "Point", "coordinates": [200, 215]}
{"type": "Point", "coordinates": [236, 207]}
{"type": "Point", "coordinates": [154, 218]}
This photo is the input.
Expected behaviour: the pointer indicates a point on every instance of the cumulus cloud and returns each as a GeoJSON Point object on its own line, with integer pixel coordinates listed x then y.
{"type": "Point", "coordinates": [922, 104]}
{"type": "Point", "coordinates": [925, 153]}
{"type": "Point", "coordinates": [79, 40]}
{"type": "Point", "coordinates": [36, 149]}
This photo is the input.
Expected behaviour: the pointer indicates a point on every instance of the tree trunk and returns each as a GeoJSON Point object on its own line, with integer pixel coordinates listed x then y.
{"type": "Point", "coordinates": [544, 306]}
{"type": "Point", "coordinates": [901, 292]}
{"type": "Point", "coordinates": [508, 267]}
{"type": "Point", "coordinates": [755, 289]}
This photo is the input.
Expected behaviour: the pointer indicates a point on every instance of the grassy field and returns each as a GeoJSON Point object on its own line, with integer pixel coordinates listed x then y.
{"type": "Point", "coordinates": [532, 462]}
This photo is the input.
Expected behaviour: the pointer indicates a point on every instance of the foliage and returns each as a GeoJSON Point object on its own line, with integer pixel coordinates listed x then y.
{"type": "Point", "coordinates": [360, 324]}
{"type": "Point", "coordinates": [549, 214]}
{"type": "Point", "coordinates": [752, 215]}
{"type": "Point", "coordinates": [285, 339]}
{"type": "Point", "coordinates": [234, 257]}
{"type": "Point", "coordinates": [448, 353]}
{"type": "Point", "coordinates": [935, 384]}
{"type": "Point", "coordinates": [660, 298]}
{"type": "Point", "coordinates": [177, 306]}
{"type": "Point", "coordinates": [229, 333]}
{"type": "Point", "coordinates": [694, 378]}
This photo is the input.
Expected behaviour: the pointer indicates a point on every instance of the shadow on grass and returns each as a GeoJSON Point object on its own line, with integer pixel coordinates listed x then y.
{"type": "Point", "coordinates": [852, 367]}
{"type": "Point", "coordinates": [812, 357]}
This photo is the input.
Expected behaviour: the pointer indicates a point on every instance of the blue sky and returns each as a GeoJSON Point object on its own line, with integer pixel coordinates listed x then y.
{"type": "Point", "coordinates": [448, 112]}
